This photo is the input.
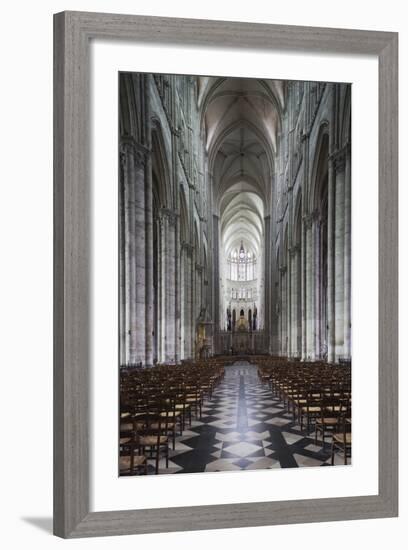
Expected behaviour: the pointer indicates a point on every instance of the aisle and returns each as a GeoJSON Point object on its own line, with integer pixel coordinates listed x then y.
{"type": "Point", "coordinates": [243, 428]}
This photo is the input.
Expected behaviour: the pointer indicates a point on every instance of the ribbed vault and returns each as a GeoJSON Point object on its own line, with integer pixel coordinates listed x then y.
{"type": "Point", "coordinates": [241, 119]}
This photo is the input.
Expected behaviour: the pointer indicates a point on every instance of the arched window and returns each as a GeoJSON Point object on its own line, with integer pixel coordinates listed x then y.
{"type": "Point", "coordinates": [241, 264]}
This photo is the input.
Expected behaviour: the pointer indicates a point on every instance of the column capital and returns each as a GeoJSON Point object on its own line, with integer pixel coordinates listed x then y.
{"type": "Point", "coordinates": [338, 157]}
{"type": "Point", "coordinates": [293, 250]}
{"type": "Point", "coordinates": [128, 147]}
{"type": "Point", "coordinates": [310, 218]}
{"type": "Point", "coordinates": [307, 221]}
{"type": "Point", "coordinates": [304, 135]}
{"type": "Point", "coordinates": [187, 247]}
{"type": "Point", "coordinates": [170, 215]}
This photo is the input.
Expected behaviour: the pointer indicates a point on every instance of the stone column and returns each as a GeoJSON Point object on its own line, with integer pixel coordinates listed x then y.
{"type": "Point", "coordinates": [127, 265]}
{"type": "Point", "coordinates": [123, 223]}
{"type": "Point", "coordinates": [305, 139]}
{"type": "Point", "coordinates": [294, 254]}
{"type": "Point", "coordinates": [177, 290]}
{"type": "Point", "coordinates": [284, 317]}
{"type": "Point", "coordinates": [339, 256]}
{"type": "Point", "coordinates": [330, 264]}
{"type": "Point", "coordinates": [280, 312]}
{"type": "Point", "coordinates": [216, 279]}
{"type": "Point", "coordinates": [149, 264]}
{"type": "Point", "coordinates": [149, 314]}
{"type": "Point", "coordinates": [308, 221]}
{"type": "Point", "coordinates": [163, 283]}
{"type": "Point", "coordinates": [199, 286]}
{"type": "Point", "coordinates": [347, 256]}
{"type": "Point", "coordinates": [183, 301]}
{"type": "Point", "coordinates": [303, 292]}
{"type": "Point", "coordinates": [316, 286]}
{"type": "Point", "coordinates": [133, 161]}
{"type": "Point", "coordinates": [169, 222]}
{"type": "Point", "coordinates": [140, 252]}
{"type": "Point", "coordinates": [186, 252]}
{"type": "Point", "coordinates": [267, 305]}
{"type": "Point", "coordinates": [288, 304]}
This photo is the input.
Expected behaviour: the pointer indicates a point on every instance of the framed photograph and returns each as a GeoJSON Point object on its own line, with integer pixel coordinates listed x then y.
{"type": "Point", "coordinates": [225, 211]}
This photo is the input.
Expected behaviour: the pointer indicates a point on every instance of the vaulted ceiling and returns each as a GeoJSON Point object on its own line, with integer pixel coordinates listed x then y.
{"type": "Point", "coordinates": [241, 118]}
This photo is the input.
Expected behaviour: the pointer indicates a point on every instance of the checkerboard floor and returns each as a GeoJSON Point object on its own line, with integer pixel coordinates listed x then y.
{"type": "Point", "coordinates": [244, 428]}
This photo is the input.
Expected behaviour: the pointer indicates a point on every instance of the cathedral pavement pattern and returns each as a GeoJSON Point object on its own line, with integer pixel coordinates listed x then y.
{"type": "Point", "coordinates": [243, 427]}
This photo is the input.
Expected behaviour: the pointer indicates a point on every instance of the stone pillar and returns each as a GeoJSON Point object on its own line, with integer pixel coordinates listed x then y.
{"type": "Point", "coordinates": [308, 220]}
{"type": "Point", "coordinates": [305, 139]}
{"type": "Point", "coordinates": [149, 313]}
{"type": "Point", "coordinates": [186, 254]}
{"type": "Point", "coordinates": [133, 160]}
{"type": "Point", "coordinates": [163, 283]}
{"type": "Point", "coordinates": [347, 256]}
{"type": "Point", "coordinates": [216, 277]}
{"type": "Point", "coordinates": [130, 248]}
{"type": "Point", "coordinates": [177, 291]}
{"type": "Point", "coordinates": [303, 292]}
{"type": "Point", "coordinates": [267, 294]}
{"type": "Point", "coordinates": [168, 272]}
{"type": "Point", "coordinates": [330, 265]}
{"type": "Point", "coordinates": [199, 286]}
{"type": "Point", "coordinates": [288, 304]}
{"type": "Point", "coordinates": [284, 317]}
{"type": "Point", "coordinates": [123, 325]}
{"type": "Point", "coordinates": [149, 264]}
{"type": "Point", "coordinates": [339, 256]}
{"type": "Point", "coordinates": [140, 253]}
{"type": "Point", "coordinates": [316, 286]}
{"type": "Point", "coordinates": [294, 254]}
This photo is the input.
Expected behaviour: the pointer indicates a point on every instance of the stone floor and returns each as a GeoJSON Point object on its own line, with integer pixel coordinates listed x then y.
{"type": "Point", "coordinates": [243, 428]}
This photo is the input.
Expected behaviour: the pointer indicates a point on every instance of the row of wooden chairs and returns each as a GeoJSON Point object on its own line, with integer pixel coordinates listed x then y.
{"type": "Point", "coordinates": [155, 406]}
{"type": "Point", "coordinates": [318, 395]}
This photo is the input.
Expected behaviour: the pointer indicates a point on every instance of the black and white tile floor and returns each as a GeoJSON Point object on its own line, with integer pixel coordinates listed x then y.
{"type": "Point", "coordinates": [243, 428]}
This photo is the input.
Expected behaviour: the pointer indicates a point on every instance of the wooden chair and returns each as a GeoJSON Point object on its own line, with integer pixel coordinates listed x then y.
{"type": "Point", "coordinates": [131, 462]}
{"type": "Point", "coordinates": [341, 441]}
{"type": "Point", "coordinates": [153, 437]}
{"type": "Point", "coordinates": [312, 408]}
{"type": "Point", "coordinates": [194, 398]}
{"type": "Point", "coordinates": [332, 407]}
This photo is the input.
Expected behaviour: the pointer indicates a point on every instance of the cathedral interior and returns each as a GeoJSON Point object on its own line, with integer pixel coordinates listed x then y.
{"type": "Point", "coordinates": [235, 273]}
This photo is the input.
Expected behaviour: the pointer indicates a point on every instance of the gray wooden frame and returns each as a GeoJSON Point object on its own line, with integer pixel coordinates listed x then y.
{"type": "Point", "coordinates": [72, 33]}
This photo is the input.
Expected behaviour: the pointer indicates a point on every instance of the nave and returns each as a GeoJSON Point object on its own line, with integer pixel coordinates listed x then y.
{"type": "Point", "coordinates": [244, 425]}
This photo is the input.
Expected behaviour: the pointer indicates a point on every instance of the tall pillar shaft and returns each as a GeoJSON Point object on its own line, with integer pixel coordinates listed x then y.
{"type": "Point", "coordinates": [317, 288]}
{"type": "Point", "coordinates": [288, 304]}
{"type": "Point", "coordinates": [347, 257]}
{"type": "Point", "coordinates": [284, 312]}
{"type": "Point", "coordinates": [129, 328]}
{"type": "Point", "coordinates": [339, 258]}
{"type": "Point", "coordinates": [303, 293]}
{"type": "Point", "coordinates": [330, 265]}
{"type": "Point", "coordinates": [133, 163]}
{"type": "Point", "coordinates": [140, 261]}
{"type": "Point", "coordinates": [169, 222]}
{"type": "Point", "coordinates": [149, 265]}
{"type": "Point", "coordinates": [310, 342]}
{"type": "Point", "coordinates": [295, 300]}
{"type": "Point", "coordinates": [267, 291]}
{"type": "Point", "coordinates": [216, 279]}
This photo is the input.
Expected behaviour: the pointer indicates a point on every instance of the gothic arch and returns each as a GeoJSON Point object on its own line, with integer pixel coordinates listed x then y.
{"type": "Point", "coordinates": [320, 166]}
{"type": "Point", "coordinates": [162, 188]}
{"type": "Point", "coordinates": [346, 120]}
{"type": "Point", "coordinates": [129, 115]}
